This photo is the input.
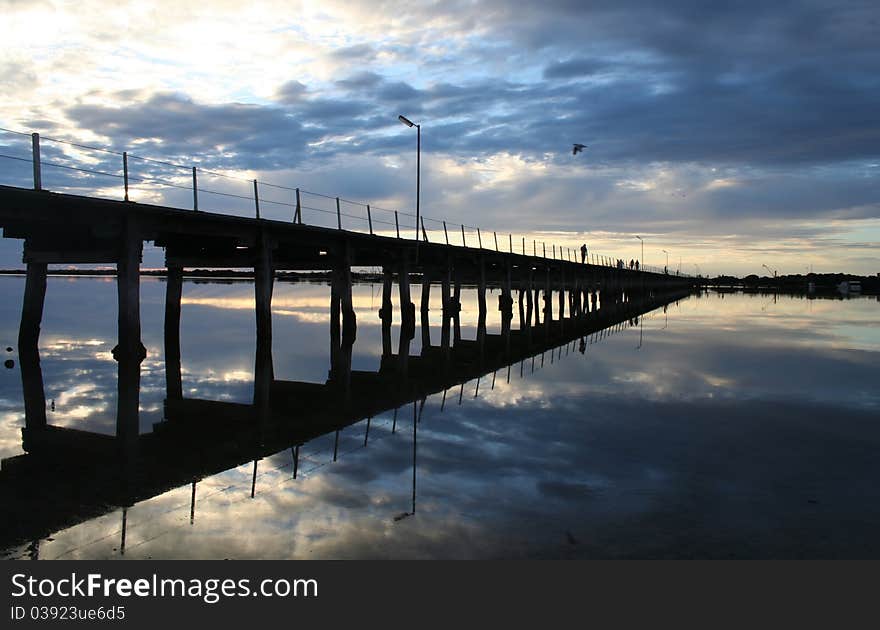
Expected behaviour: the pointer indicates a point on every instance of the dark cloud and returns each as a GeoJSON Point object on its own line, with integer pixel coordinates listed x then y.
{"type": "Point", "coordinates": [680, 82]}
{"type": "Point", "coordinates": [291, 92]}
{"type": "Point", "coordinates": [13, 74]}
{"type": "Point", "coordinates": [175, 125]}
{"type": "Point", "coordinates": [360, 80]}
{"type": "Point", "coordinates": [573, 68]}
{"type": "Point", "coordinates": [358, 52]}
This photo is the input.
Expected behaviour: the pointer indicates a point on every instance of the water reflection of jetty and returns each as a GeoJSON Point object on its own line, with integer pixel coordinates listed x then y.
{"type": "Point", "coordinates": [68, 475]}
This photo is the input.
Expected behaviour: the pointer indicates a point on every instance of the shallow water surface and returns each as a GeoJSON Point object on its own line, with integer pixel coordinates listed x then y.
{"type": "Point", "coordinates": [719, 425]}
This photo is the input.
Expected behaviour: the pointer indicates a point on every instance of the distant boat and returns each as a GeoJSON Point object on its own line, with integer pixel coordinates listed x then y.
{"type": "Point", "coordinates": [849, 286]}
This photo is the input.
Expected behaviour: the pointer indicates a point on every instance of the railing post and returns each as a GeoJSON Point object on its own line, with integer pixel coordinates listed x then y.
{"type": "Point", "coordinates": [297, 216]}
{"type": "Point", "coordinates": [554, 251]}
{"type": "Point", "coordinates": [524, 245]}
{"type": "Point", "coordinates": [544, 245]}
{"type": "Point", "coordinates": [479, 239]}
{"type": "Point", "coordinates": [424, 233]}
{"type": "Point", "coordinates": [495, 234]}
{"type": "Point", "coordinates": [338, 214]}
{"type": "Point", "coordinates": [256, 199]}
{"type": "Point", "coordinates": [510, 236]}
{"type": "Point", "coordinates": [370, 219]}
{"type": "Point", "coordinates": [445, 233]}
{"type": "Point", "coordinates": [125, 172]}
{"type": "Point", "coordinates": [195, 191]}
{"type": "Point", "coordinates": [463, 243]}
{"type": "Point", "coordinates": [35, 150]}
{"type": "Point", "coordinates": [535, 248]}
{"type": "Point", "coordinates": [397, 224]}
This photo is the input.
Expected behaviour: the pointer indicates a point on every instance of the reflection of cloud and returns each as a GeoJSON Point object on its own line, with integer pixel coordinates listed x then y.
{"type": "Point", "coordinates": [621, 447]}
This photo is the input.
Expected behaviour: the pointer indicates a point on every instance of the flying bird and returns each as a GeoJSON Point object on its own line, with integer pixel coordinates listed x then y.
{"type": "Point", "coordinates": [577, 148]}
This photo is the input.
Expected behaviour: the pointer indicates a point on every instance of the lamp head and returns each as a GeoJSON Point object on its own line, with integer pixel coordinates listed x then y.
{"type": "Point", "coordinates": [406, 121]}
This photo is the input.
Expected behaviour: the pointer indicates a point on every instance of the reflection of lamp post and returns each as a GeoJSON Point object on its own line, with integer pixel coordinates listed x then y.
{"type": "Point", "coordinates": [643, 249]}
{"type": "Point", "coordinates": [406, 121]}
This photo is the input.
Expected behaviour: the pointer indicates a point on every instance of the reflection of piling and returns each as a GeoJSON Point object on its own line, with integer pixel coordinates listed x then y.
{"type": "Point", "coordinates": [173, 296]}
{"type": "Point", "coordinates": [521, 292]}
{"type": "Point", "coordinates": [529, 289]}
{"type": "Point", "coordinates": [481, 303]}
{"type": "Point", "coordinates": [407, 308]}
{"type": "Point", "coordinates": [129, 351]}
{"type": "Point", "coordinates": [407, 317]}
{"type": "Point", "coordinates": [385, 312]}
{"type": "Point", "coordinates": [505, 305]}
{"type": "Point", "coordinates": [264, 278]}
{"type": "Point", "coordinates": [425, 310]}
{"type": "Point", "coordinates": [446, 298]}
{"type": "Point", "coordinates": [456, 304]}
{"type": "Point", "coordinates": [548, 301]}
{"type": "Point", "coordinates": [537, 299]}
{"type": "Point", "coordinates": [28, 344]}
{"type": "Point", "coordinates": [341, 307]}
{"type": "Point", "coordinates": [349, 320]}
{"type": "Point", "coordinates": [561, 289]}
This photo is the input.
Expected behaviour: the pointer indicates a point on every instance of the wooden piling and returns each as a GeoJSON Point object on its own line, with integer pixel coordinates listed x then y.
{"type": "Point", "coordinates": [481, 289]}
{"type": "Point", "coordinates": [264, 279]}
{"type": "Point", "coordinates": [447, 308]}
{"type": "Point", "coordinates": [349, 320]}
{"type": "Point", "coordinates": [548, 299]}
{"type": "Point", "coordinates": [407, 318]}
{"type": "Point", "coordinates": [456, 305]}
{"type": "Point", "coordinates": [407, 308]}
{"type": "Point", "coordinates": [425, 309]}
{"type": "Point", "coordinates": [385, 311]}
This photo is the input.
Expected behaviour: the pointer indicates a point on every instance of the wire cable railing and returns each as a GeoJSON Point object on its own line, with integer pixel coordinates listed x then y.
{"type": "Point", "coordinates": [84, 172]}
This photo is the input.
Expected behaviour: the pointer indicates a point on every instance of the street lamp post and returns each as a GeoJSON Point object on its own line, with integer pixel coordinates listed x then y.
{"type": "Point", "coordinates": [666, 268]}
{"type": "Point", "coordinates": [406, 121]}
{"type": "Point", "coordinates": [643, 249]}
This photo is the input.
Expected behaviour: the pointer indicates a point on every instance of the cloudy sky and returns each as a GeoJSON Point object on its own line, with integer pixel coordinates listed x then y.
{"type": "Point", "coordinates": [729, 136]}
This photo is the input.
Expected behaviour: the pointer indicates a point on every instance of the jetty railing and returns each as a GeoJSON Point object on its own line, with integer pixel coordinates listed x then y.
{"type": "Point", "coordinates": [80, 168]}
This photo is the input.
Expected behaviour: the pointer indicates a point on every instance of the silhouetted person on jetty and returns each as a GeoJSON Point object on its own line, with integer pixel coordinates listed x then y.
{"type": "Point", "coordinates": [583, 253]}
{"type": "Point", "coordinates": [637, 265]}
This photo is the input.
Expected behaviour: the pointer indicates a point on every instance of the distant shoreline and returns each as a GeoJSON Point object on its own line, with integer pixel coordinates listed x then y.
{"type": "Point", "coordinates": [826, 282]}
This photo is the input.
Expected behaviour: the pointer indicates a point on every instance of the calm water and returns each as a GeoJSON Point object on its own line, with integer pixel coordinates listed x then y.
{"type": "Point", "coordinates": [720, 426]}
